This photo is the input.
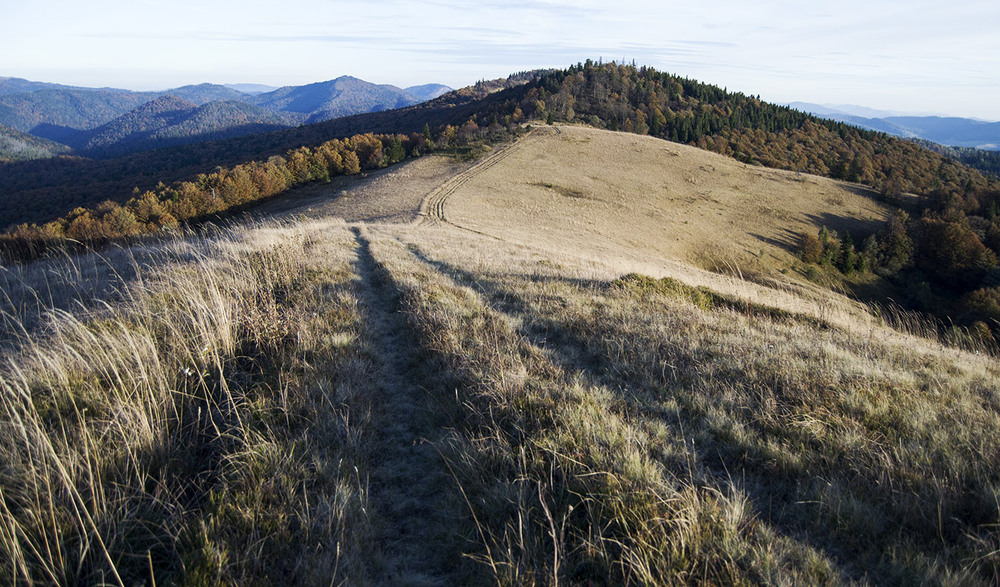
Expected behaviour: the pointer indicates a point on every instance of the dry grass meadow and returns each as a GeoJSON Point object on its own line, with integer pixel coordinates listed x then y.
{"type": "Point", "coordinates": [531, 377]}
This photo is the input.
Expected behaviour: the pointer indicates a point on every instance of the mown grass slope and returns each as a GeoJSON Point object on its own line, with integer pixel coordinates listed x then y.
{"type": "Point", "coordinates": [610, 194]}
{"type": "Point", "coordinates": [452, 402]}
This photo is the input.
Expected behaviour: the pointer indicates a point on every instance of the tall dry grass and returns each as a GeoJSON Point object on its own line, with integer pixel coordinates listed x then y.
{"type": "Point", "coordinates": [850, 453]}
{"type": "Point", "coordinates": [303, 404]}
{"type": "Point", "coordinates": [560, 483]}
{"type": "Point", "coordinates": [194, 430]}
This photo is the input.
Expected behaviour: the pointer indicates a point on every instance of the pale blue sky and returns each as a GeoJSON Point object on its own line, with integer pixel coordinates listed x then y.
{"type": "Point", "coordinates": [913, 56]}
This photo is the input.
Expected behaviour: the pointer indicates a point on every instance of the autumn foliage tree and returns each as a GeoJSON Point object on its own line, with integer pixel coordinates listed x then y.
{"type": "Point", "coordinates": [212, 193]}
{"type": "Point", "coordinates": [951, 253]}
{"type": "Point", "coordinates": [810, 248]}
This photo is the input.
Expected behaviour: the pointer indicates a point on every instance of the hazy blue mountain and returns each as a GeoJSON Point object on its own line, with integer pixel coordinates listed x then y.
{"type": "Point", "coordinates": [169, 120]}
{"type": "Point", "coordinates": [19, 146]}
{"type": "Point", "coordinates": [72, 116]}
{"type": "Point", "coordinates": [252, 89]}
{"type": "Point", "coordinates": [951, 131]}
{"type": "Point", "coordinates": [205, 93]}
{"type": "Point", "coordinates": [16, 85]}
{"type": "Point", "coordinates": [960, 132]}
{"type": "Point", "coordinates": [427, 91]}
{"type": "Point", "coordinates": [343, 96]}
{"type": "Point", "coordinates": [48, 113]}
{"type": "Point", "coordinates": [842, 110]}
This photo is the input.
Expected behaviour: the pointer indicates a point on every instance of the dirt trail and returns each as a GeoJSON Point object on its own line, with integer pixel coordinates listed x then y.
{"type": "Point", "coordinates": [411, 490]}
{"type": "Point", "coordinates": [432, 207]}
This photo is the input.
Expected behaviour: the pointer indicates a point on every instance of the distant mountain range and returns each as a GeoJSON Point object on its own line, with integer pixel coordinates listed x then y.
{"type": "Point", "coordinates": [169, 120]}
{"type": "Point", "coordinates": [427, 91]}
{"type": "Point", "coordinates": [949, 131]}
{"type": "Point", "coordinates": [108, 122]}
{"type": "Point", "coordinates": [343, 96]}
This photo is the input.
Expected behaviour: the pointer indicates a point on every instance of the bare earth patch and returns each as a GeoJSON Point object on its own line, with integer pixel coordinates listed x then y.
{"type": "Point", "coordinates": [392, 195]}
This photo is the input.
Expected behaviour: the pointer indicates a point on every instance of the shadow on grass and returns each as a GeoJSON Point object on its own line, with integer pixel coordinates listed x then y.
{"type": "Point", "coordinates": [788, 495]}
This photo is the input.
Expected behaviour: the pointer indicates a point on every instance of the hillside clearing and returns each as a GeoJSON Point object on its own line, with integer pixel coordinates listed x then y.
{"type": "Point", "coordinates": [607, 195]}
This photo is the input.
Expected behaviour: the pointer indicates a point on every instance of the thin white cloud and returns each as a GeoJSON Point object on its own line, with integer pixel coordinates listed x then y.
{"type": "Point", "coordinates": [856, 50]}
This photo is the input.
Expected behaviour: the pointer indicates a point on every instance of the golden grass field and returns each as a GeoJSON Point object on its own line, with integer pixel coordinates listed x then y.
{"type": "Point", "coordinates": [621, 195]}
{"type": "Point", "coordinates": [525, 370]}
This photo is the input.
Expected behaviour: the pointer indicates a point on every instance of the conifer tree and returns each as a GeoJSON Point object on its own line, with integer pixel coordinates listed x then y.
{"type": "Point", "coordinates": [846, 261]}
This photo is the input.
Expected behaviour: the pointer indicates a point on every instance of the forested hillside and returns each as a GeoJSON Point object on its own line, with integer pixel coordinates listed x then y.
{"type": "Point", "coordinates": [71, 115]}
{"type": "Point", "coordinates": [19, 146]}
{"type": "Point", "coordinates": [984, 160]}
{"type": "Point", "coordinates": [56, 114]}
{"type": "Point", "coordinates": [169, 120]}
{"type": "Point", "coordinates": [343, 96]}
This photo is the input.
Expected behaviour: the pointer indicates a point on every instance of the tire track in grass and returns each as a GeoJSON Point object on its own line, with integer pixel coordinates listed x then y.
{"type": "Point", "coordinates": [411, 491]}
{"type": "Point", "coordinates": [432, 207]}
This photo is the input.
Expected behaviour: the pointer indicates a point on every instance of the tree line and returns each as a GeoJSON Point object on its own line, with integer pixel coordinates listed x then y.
{"type": "Point", "coordinates": [225, 189]}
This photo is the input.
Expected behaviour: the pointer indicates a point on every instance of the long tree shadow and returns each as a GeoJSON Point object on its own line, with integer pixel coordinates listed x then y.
{"type": "Point", "coordinates": [412, 492]}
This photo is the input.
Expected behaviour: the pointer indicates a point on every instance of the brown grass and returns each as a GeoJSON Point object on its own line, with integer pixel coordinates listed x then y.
{"type": "Point", "coordinates": [621, 195]}
{"type": "Point", "coordinates": [197, 428]}
{"type": "Point", "coordinates": [830, 440]}
{"type": "Point", "coordinates": [389, 195]}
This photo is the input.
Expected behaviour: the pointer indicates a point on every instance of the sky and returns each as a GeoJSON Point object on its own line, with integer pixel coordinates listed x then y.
{"type": "Point", "coordinates": [911, 56]}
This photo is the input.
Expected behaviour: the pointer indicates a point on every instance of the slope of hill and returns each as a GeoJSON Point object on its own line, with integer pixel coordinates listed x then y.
{"type": "Point", "coordinates": [427, 91]}
{"type": "Point", "coordinates": [949, 131]}
{"type": "Point", "coordinates": [55, 114]}
{"type": "Point", "coordinates": [169, 120]}
{"type": "Point", "coordinates": [343, 96]}
{"type": "Point", "coordinates": [678, 202]}
{"type": "Point", "coordinates": [161, 112]}
{"type": "Point", "coordinates": [19, 146]}
{"type": "Point", "coordinates": [423, 403]}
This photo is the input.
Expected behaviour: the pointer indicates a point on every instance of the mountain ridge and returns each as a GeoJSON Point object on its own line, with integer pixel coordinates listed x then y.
{"type": "Point", "coordinates": [620, 386]}
{"type": "Point", "coordinates": [953, 131]}
{"type": "Point", "coordinates": [684, 111]}
{"type": "Point", "coordinates": [170, 120]}
{"type": "Point", "coordinates": [334, 98]}
{"type": "Point", "coordinates": [69, 115]}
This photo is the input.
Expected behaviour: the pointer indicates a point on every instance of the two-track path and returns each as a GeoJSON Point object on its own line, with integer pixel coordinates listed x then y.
{"type": "Point", "coordinates": [412, 493]}
{"type": "Point", "coordinates": [432, 208]}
